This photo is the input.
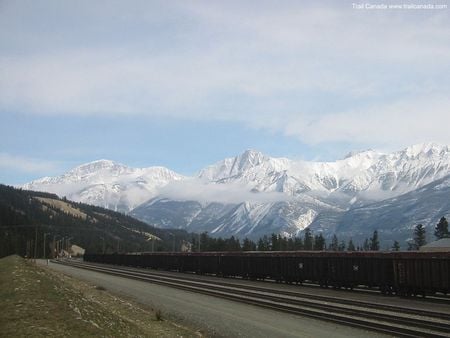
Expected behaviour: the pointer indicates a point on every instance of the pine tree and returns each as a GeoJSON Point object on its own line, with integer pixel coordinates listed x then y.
{"type": "Point", "coordinates": [374, 242]}
{"type": "Point", "coordinates": [298, 243]}
{"type": "Point", "coordinates": [350, 245]}
{"type": "Point", "coordinates": [308, 242]}
{"type": "Point", "coordinates": [275, 245]}
{"type": "Point", "coordinates": [366, 245]}
{"type": "Point", "coordinates": [290, 244]}
{"type": "Point", "coordinates": [395, 246]}
{"type": "Point", "coordinates": [282, 243]}
{"type": "Point", "coordinates": [334, 243]}
{"type": "Point", "coordinates": [204, 241]}
{"type": "Point", "coordinates": [341, 246]}
{"type": "Point", "coordinates": [247, 245]}
{"type": "Point", "coordinates": [441, 229]}
{"type": "Point", "coordinates": [319, 242]}
{"type": "Point", "coordinates": [263, 244]}
{"type": "Point", "coordinates": [419, 236]}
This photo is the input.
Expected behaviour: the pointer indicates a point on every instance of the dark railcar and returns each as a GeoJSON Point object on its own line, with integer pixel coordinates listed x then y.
{"type": "Point", "coordinates": [401, 272]}
{"type": "Point", "coordinates": [421, 273]}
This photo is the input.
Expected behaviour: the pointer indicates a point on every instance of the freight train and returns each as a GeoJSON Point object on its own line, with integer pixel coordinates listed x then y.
{"type": "Point", "coordinates": [401, 273]}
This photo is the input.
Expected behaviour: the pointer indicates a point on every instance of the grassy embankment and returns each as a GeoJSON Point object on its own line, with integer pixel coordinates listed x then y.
{"type": "Point", "coordinates": [37, 302]}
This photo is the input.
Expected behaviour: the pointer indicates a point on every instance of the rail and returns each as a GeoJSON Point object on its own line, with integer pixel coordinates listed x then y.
{"type": "Point", "coordinates": [392, 320]}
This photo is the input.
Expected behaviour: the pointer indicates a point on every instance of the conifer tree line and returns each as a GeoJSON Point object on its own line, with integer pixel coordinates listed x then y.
{"type": "Point", "coordinates": [420, 234]}
{"type": "Point", "coordinates": [275, 242]}
{"type": "Point", "coordinates": [309, 241]}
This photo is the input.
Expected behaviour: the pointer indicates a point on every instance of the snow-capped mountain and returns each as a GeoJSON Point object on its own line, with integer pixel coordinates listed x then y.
{"type": "Point", "coordinates": [107, 184]}
{"type": "Point", "coordinates": [253, 194]}
{"type": "Point", "coordinates": [299, 194]}
{"type": "Point", "coordinates": [369, 174]}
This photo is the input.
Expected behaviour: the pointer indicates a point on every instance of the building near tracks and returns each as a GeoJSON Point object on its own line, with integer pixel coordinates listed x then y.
{"type": "Point", "coordinates": [441, 245]}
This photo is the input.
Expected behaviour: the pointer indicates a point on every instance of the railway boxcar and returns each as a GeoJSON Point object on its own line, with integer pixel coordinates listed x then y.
{"type": "Point", "coordinates": [351, 269]}
{"type": "Point", "coordinates": [422, 272]}
{"type": "Point", "coordinates": [405, 272]}
{"type": "Point", "coordinates": [298, 267]}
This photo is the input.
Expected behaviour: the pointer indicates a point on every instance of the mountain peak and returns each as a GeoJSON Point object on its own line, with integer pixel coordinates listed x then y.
{"type": "Point", "coordinates": [97, 166]}
{"type": "Point", "coordinates": [251, 157]}
{"type": "Point", "coordinates": [425, 148]}
{"type": "Point", "coordinates": [367, 153]}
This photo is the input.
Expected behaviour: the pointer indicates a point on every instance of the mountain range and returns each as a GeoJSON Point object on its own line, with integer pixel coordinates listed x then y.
{"type": "Point", "coordinates": [252, 194]}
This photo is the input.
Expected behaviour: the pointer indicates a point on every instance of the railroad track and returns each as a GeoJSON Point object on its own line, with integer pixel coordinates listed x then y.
{"type": "Point", "coordinates": [388, 319]}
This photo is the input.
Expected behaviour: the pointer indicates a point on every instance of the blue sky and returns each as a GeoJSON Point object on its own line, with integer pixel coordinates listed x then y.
{"type": "Point", "coordinates": [186, 83]}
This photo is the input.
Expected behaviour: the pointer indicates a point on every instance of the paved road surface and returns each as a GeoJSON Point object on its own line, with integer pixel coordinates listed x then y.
{"type": "Point", "coordinates": [214, 316]}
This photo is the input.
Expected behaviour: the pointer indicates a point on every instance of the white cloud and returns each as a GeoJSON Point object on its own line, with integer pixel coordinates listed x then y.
{"type": "Point", "coordinates": [322, 73]}
{"type": "Point", "coordinates": [197, 190]}
{"type": "Point", "coordinates": [26, 165]}
{"type": "Point", "coordinates": [400, 123]}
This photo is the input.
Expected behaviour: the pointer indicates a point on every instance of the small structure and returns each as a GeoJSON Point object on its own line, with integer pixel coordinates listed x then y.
{"type": "Point", "coordinates": [441, 245]}
{"type": "Point", "coordinates": [75, 250]}
{"type": "Point", "coordinates": [186, 246]}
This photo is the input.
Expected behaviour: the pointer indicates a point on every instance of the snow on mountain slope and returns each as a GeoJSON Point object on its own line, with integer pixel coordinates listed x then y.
{"type": "Point", "coordinates": [244, 219]}
{"type": "Point", "coordinates": [318, 194]}
{"type": "Point", "coordinates": [108, 184]}
{"type": "Point", "coordinates": [254, 194]}
{"type": "Point", "coordinates": [395, 218]}
{"type": "Point", "coordinates": [368, 174]}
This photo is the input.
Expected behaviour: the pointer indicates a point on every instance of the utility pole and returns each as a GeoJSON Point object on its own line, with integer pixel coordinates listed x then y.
{"type": "Point", "coordinates": [173, 243]}
{"type": "Point", "coordinates": [45, 237]}
{"type": "Point", "coordinates": [35, 244]}
{"type": "Point", "coordinates": [68, 246]}
{"type": "Point", "coordinates": [53, 246]}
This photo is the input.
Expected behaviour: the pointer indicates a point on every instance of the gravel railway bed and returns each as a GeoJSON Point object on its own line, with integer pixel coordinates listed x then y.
{"type": "Point", "coordinates": [371, 299]}
{"type": "Point", "coordinates": [394, 320]}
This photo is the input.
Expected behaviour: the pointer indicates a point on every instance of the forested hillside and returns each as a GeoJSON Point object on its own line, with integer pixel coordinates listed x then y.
{"type": "Point", "coordinates": [27, 215]}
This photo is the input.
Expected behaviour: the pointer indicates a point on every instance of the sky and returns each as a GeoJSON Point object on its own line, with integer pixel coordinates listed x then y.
{"type": "Point", "coordinates": [184, 84]}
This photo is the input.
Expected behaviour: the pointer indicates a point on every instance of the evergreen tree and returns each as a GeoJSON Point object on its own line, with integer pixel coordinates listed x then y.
{"type": "Point", "coordinates": [248, 245]}
{"type": "Point", "coordinates": [395, 246]}
{"type": "Point", "coordinates": [441, 229]}
{"type": "Point", "coordinates": [263, 244]}
{"type": "Point", "coordinates": [204, 242]}
{"type": "Point", "coordinates": [233, 244]}
{"type": "Point", "coordinates": [334, 243]}
{"type": "Point", "coordinates": [275, 246]}
{"type": "Point", "coordinates": [298, 243]}
{"type": "Point", "coordinates": [419, 236]}
{"type": "Point", "coordinates": [341, 246]}
{"type": "Point", "coordinates": [374, 242]}
{"type": "Point", "coordinates": [290, 244]}
{"type": "Point", "coordinates": [366, 246]}
{"type": "Point", "coordinates": [194, 243]}
{"type": "Point", "coordinates": [308, 241]}
{"type": "Point", "coordinates": [282, 243]}
{"type": "Point", "coordinates": [350, 245]}
{"type": "Point", "coordinates": [221, 244]}
{"type": "Point", "coordinates": [319, 242]}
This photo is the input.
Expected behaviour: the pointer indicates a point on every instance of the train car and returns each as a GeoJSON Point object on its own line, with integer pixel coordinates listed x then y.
{"type": "Point", "coordinates": [404, 273]}
{"type": "Point", "coordinates": [421, 272]}
{"type": "Point", "coordinates": [352, 269]}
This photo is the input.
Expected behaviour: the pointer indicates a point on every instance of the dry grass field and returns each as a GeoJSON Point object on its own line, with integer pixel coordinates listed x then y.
{"type": "Point", "coordinates": [37, 302]}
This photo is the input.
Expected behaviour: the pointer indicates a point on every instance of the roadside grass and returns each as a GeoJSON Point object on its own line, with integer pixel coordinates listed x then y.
{"type": "Point", "coordinates": [38, 302]}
